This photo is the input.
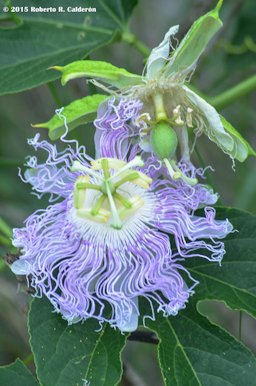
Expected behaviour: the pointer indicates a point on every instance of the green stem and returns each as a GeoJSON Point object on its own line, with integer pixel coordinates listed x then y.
{"type": "Point", "coordinates": [234, 93]}
{"type": "Point", "coordinates": [132, 39]}
{"type": "Point", "coordinates": [54, 93]}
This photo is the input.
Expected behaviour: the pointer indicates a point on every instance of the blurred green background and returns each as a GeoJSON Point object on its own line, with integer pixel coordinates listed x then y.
{"type": "Point", "coordinates": [230, 59]}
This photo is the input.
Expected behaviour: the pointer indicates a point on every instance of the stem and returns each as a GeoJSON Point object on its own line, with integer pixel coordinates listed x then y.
{"type": "Point", "coordinates": [54, 93]}
{"type": "Point", "coordinates": [240, 325]}
{"type": "Point", "coordinates": [143, 336]}
{"type": "Point", "coordinates": [234, 93]}
{"type": "Point", "coordinates": [130, 38]}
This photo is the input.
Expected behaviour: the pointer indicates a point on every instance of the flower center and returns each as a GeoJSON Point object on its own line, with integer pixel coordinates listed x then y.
{"type": "Point", "coordinates": [101, 194]}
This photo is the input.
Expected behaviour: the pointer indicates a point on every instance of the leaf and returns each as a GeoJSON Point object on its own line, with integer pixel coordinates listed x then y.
{"type": "Point", "coordinates": [235, 281]}
{"type": "Point", "coordinates": [5, 228]}
{"type": "Point", "coordinates": [194, 43]}
{"type": "Point", "coordinates": [242, 147]}
{"type": "Point", "coordinates": [193, 352]}
{"type": "Point", "coordinates": [104, 71]}
{"type": "Point", "coordinates": [42, 40]}
{"type": "Point", "coordinates": [76, 113]}
{"type": "Point", "coordinates": [16, 374]}
{"type": "Point", "coordinates": [71, 355]}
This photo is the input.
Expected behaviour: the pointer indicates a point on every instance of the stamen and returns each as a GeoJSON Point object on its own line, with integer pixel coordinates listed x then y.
{"type": "Point", "coordinates": [188, 180]}
{"type": "Point", "coordinates": [123, 200]}
{"type": "Point", "coordinates": [97, 206]}
{"type": "Point", "coordinates": [136, 202]}
{"type": "Point", "coordinates": [174, 175]}
{"type": "Point", "coordinates": [145, 117]}
{"type": "Point", "coordinates": [177, 116]}
{"type": "Point", "coordinates": [117, 204]}
{"type": "Point", "coordinates": [84, 185]}
{"type": "Point", "coordinates": [130, 177]}
{"type": "Point", "coordinates": [117, 223]}
{"type": "Point", "coordinates": [78, 167]}
{"type": "Point", "coordinates": [105, 168]}
{"type": "Point", "coordinates": [102, 216]}
{"type": "Point", "coordinates": [137, 161]}
{"type": "Point", "coordinates": [112, 162]}
{"type": "Point", "coordinates": [79, 193]}
{"type": "Point", "coordinates": [189, 117]}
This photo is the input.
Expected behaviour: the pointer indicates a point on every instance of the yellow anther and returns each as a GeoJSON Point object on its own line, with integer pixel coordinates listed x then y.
{"type": "Point", "coordinates": [136, 203]}
{"type": "Point", "coordinates": [128, 176]}
{"type": "Point", "coordinates": [113, 163]}
{"type": "Point", "coordinates": [145, 117]}
{"type": "Point", "coordinates": [177, 116]}
{"type": "Point", "coordinates": [102, 216]}
{"type": "Point", "coordinates": [79, 191]}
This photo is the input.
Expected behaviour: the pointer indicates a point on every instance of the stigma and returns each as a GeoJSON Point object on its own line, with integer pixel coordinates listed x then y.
{"type": "Point", "coordinates": [105, 194]}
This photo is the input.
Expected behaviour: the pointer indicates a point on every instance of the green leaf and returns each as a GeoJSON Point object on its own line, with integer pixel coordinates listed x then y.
{"type": "Point", "coordinates": [104, 71]}
{"type": "Point", "coordinates": [193, 352]}
{"type": "Point", "coordinates": [70, 355]}
{"type": "Point", "coordinates": [16, 374]}
{"type": "Point", "coordinates": [194, 43]}
{"type": "Point", "coordinates": [5, 228]}
{"type": "Point", "coordinates": [234, 282]}
{"type": "Point", "coordinates": [37, 41]}
{"type": "Point", "coordinates": [76, 113]}
{"type": "Point", "coordinates": [242, 148]}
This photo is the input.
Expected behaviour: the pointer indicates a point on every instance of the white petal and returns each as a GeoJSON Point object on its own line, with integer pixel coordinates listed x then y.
{"type": "Point", "coordinates": [128, 324]}
{"type": "Point", "coordinates": [159, 54]}
{"type": "Point", "coordinates": [20, 267]}
{"type": "Point", "coordinates": [214, 129]}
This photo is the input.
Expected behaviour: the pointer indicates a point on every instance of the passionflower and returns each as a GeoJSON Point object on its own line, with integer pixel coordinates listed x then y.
{"type": "Point", "coordinates": [169, 108]}
{"type": "Point", "coordinates": [106, 242]}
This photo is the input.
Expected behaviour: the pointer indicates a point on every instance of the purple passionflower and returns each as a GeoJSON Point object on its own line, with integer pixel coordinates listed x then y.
{"type": "Point", "coordinates": [106, 242]}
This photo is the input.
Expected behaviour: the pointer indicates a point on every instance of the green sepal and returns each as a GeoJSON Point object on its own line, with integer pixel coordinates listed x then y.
{"type": "Point", "coordinates": [194, 43]}
{"type": "Point", "coordinates": [242, 149]}
{"type": "Point", "coordinates": [76, 113]}
{"type": "Point", "coordinates": [106, 72]}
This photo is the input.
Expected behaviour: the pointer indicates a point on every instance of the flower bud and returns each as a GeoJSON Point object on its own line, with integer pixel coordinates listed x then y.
{"type": "Point", "coordinates": [163, 140]}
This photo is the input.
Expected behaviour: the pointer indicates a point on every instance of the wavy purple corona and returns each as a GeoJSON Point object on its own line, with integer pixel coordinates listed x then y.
{"type": "Point", "coordinates": [106, 243]}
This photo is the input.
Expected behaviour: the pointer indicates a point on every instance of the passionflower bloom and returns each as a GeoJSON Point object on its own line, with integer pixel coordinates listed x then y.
{"type": "Point", "coordinates": [169, 108]}
{"type": "Point", "coordinates": [106, 243]}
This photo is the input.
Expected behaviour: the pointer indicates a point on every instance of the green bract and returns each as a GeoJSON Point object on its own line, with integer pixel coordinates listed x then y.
{"type": "Point", "coordinates": [104, 71]}
{"type": "Point", "coordinates": [76, 113]}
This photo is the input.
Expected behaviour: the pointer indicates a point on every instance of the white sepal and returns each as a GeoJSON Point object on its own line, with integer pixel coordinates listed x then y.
{"type": "Point", "coordinates": [159, 55]}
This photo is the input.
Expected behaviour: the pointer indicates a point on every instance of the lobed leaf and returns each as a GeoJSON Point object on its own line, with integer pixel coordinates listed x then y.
{"type": "Point", "coordinates": [35, 41]}
{"type": "Point", "coordinates": [16, 374]}
{"type": "Point", "coordinates": [194, 352]}
{"type": "Point", "coordinates": [74, 355]}
{"type": "Point", "coordinates": [234, 282]}
{"type": "Point", "coordinates": [76, 113]}
{"type": "Point", "coordinates": [115, 76]}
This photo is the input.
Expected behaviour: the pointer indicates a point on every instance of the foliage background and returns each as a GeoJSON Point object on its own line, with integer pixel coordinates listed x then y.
{"type": "Point", "coordinates": [229, 61]}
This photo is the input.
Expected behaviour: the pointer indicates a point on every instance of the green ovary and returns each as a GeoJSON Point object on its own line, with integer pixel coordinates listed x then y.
{"type": "Point", "coordinates": [163, 140]}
